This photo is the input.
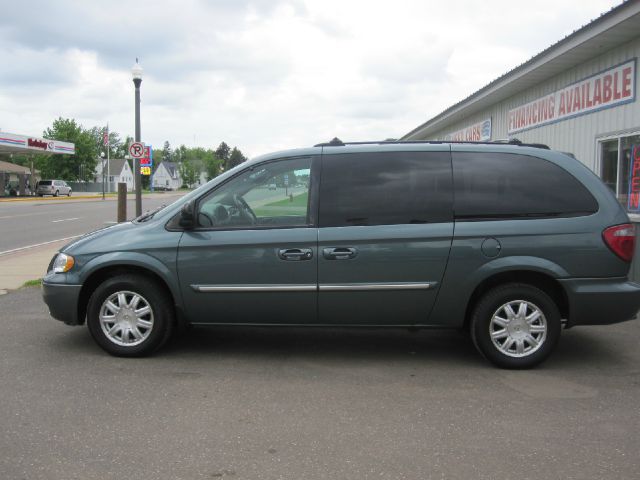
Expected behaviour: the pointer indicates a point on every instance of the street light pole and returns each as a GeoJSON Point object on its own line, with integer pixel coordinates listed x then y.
{"type": "Point", "coordinates": [102, 157]}
{"type": "Point", "coordinates": [137, 80]}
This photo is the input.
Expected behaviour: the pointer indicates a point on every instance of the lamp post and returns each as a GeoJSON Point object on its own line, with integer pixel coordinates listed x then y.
{"type": "Point", "coordinates": [136, 71]}
{"type": "Point", "coordinates": [102, 157]}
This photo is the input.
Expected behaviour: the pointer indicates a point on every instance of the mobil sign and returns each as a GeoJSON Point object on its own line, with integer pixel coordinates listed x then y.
{"type": "Point", "coordinates": [605, 89]}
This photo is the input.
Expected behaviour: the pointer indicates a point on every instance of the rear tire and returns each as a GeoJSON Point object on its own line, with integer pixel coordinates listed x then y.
{"type": "Point", "coordinates": [56, 193]}
{"type": "Point", "coordinates": [130, 315]}
{"type": "Point", "coordinates": [516, 326]}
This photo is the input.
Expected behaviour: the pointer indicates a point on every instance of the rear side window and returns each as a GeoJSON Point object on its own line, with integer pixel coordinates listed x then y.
{"type": "Point", "coordinates": [44, 182]}
{"type": "Point", "coordinates": [499, 185]}
{"type": "Point", "coordinates": [385, 189]}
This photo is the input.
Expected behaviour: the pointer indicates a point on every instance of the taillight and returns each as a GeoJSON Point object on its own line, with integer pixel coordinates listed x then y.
{"type": "Point", "coordinates": [621, 239]}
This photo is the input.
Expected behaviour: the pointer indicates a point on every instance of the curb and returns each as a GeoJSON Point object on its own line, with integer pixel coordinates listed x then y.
{"type": "Point", "coordinates": [52, 199]}
{"type": "Point", "coordinates": [108, 196]}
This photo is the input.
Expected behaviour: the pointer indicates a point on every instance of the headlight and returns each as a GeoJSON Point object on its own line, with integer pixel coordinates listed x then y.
{"type": "Point", "coordinates": [62, 263]}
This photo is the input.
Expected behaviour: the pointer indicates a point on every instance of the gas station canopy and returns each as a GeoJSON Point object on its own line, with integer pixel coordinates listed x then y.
{"type": "Point", "coordinates": [27, 145]}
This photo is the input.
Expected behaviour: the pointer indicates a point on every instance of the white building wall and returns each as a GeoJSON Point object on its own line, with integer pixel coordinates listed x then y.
{"type": "Point", "coordinates": [578, 135]}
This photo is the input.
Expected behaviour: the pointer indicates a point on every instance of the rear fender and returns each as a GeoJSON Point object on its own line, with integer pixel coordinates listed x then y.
{"type": "Point", "coordinates": [459, 284]}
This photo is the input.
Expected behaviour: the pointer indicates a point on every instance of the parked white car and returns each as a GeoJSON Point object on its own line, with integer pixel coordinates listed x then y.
{"type": "Point", "coordinates": [53, 187]}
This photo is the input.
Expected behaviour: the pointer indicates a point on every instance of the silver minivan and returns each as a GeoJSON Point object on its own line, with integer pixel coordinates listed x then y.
{"type": "Point", "coordinates": [53, 187]}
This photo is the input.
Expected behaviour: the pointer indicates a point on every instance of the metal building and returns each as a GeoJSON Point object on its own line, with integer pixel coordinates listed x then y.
{"type": "Point", "coordinates": [577, 96]}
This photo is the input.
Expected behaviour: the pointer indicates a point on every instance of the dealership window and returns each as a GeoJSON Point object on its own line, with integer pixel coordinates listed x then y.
{"type": "Point", "coordinates": [615, 163]}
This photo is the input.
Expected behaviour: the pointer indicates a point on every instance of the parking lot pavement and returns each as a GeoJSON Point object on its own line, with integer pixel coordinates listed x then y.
{"type": "Point", "coordinates": [251, 403]}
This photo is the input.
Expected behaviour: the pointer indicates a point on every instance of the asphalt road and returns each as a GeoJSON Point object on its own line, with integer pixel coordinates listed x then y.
{"type": "Point", "coordinates": [252, 403]}
{"type": "Point", "coordinates": [31, 222]}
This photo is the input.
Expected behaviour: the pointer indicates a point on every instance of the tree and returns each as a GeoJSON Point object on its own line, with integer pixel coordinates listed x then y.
{"type": "Point", "coordinates": [180, 154]}
{"type": "Point", "coordinates": [81, 165]}
{"type": "Point", "coordinates": [212, 165]}
{"type": "Point", "coordinates": [188, 172]}
{"type": "Point", "coordinates": [122, 149]}
{"type": "Point", "coordinates": [222, 152]}
{"type": "Point", "coordinates": [167, 153]}
{"type": "Point", "coordinates": [236, 158]}
{"type": "Point", "coordinates": [115, 144]}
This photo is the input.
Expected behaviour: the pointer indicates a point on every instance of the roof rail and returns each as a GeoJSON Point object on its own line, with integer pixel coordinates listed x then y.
{"type": "Point", "coordinates": [336, 142]}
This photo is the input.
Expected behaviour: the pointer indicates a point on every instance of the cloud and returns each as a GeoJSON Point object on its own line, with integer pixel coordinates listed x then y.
{"type": "Point", "coordinates": [263, 74]}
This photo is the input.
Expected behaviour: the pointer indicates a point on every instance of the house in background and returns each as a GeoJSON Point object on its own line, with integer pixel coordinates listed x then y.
{"type": "Point", "coordinates": [167, 177]}
{"type": "Point", "coordinates": [118, 171]}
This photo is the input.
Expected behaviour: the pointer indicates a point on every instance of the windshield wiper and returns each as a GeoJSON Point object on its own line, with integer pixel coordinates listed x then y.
{"type": "Point", "coordinates": [148, 215]}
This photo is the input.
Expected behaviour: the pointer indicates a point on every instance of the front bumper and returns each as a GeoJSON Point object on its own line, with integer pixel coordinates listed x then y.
{"type": "Point", "coordinates": [62, 300]}
{"type": "Point", "coordinates": [601, 301]}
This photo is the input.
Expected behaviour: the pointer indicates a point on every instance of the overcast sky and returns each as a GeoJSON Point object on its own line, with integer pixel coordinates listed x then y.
{"type": "Point", "coordinates": [264, 74]}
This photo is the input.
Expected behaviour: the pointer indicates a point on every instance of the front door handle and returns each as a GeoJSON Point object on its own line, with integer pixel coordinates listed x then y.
{"type": "Point", "coordinates": [295, 254]}
{"type": "Point", "coordinates": [339, 253]}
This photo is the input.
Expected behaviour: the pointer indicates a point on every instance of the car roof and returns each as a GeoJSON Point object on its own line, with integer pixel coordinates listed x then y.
{"type": "Point", "coordinates": [335, 148]}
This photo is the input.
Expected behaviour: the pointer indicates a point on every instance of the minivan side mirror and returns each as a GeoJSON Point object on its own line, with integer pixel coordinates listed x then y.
{"type": "Point", "coordinates": [187, 215]}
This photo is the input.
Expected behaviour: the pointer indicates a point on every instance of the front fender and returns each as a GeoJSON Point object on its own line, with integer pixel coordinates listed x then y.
{"type": "Point", "coordinates": [163, 267]}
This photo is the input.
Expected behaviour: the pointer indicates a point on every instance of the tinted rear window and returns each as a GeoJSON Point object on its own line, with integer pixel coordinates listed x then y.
{"type": "Point", "coordinates": [498, 185]}
{"type": "Point", "coordinates": [44, 182]}
{"type": "Point", "coordinates": [385, 188]}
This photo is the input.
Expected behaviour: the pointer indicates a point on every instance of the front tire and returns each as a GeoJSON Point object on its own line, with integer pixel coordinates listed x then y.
{"type": "Point", "coordinates": [69, 194]}
{"type": "Point", "coordinates": [56, 193]}
{"type": "Point", "coordinates": [516, 326]}
{"type": "Point", "coordinates": [129, 315]}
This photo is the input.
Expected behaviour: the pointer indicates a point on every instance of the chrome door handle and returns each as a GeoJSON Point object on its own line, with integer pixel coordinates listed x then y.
{"type": "Point", "coordinates": [339, 253]}
{"type": "Point", "coordinates": [295, 254]}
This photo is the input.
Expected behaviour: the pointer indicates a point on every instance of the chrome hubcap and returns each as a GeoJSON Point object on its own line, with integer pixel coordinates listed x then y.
{"type": "Point", "coordinates": [518, 328]}
{"type": "Point", "coordinates": [126, 318]}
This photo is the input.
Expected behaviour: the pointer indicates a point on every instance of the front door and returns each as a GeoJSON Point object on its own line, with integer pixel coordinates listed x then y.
{"type": "Point", "coordinates": [252, 259]}
{"type": "Point", "coordinates": [386, 225]}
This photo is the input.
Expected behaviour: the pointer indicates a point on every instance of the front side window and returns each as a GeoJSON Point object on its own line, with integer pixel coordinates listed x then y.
{"type": "Point", "coordinates": [274, 194]}
{"type": "Point", "coordinates": [385, 188]}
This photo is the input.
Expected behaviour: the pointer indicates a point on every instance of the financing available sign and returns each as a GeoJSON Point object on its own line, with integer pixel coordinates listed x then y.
{"type": "Point", "coordinates": [606, 89]}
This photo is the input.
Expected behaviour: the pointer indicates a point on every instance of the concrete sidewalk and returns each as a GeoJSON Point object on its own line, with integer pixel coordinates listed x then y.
{"type": "Point", "coordinates": [30, 264]}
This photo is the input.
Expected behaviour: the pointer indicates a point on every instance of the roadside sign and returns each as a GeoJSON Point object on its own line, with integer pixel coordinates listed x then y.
{"type": "Point", "coordinates": [136, 149]}
{"type": "Point", "coordinates": [147, 157]}
{"type": "Point", "coordinates": [286, 180]}
{"type": "Point", "coordinates": [145, 170]}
